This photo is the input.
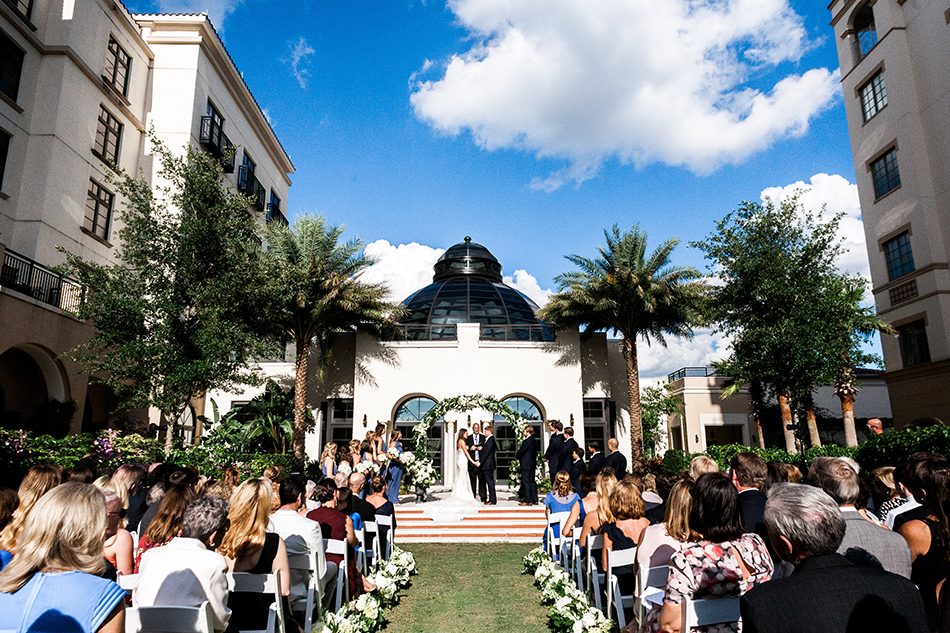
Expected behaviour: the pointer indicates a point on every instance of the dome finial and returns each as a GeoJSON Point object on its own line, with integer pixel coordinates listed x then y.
{"type": "Point", "coordinates": [467, 239]}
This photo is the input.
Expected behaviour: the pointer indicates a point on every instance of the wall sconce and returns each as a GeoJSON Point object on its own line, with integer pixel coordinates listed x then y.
{"type": "Point", "coordinates": [364, 421]}
{"type": "Point", "coordinates": [697, 439]}
{"type": "Point", "coordinates": [572, 419]}
{"type": "Point", "coordinates": [469, 420]}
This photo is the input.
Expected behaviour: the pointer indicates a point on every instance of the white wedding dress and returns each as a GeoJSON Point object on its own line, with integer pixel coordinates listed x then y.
{"type": "Point", "coordinates": [460, 502]}
{"type": "Point", "coordinates": [462, 490]}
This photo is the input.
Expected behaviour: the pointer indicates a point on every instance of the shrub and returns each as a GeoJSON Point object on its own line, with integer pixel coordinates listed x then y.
{"type": "Point", "coordinates": [896, 447]}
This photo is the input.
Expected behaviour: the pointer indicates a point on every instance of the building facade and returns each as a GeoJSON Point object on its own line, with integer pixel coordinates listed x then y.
{"type": "Point", "coordinates": [893, 57]}
{"type": "Point", "coordinates": [80, 86]}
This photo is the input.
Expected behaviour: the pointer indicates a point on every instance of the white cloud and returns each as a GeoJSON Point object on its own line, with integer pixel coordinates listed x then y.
{"type": "Point", "coordinates": [405, 268]}
{"type": "Point", "coordinates": [642, 81]}
{"type": "Point", "coordinates": [528, 284]}
{"type": "Point", "coordinates": [840, 196]}
{"type": "Point", "coordinates": [217, 10]}
{"type": "Point", "coordinates": [656, 361]}
{"type": "Point", "coordinates": [297, 58]}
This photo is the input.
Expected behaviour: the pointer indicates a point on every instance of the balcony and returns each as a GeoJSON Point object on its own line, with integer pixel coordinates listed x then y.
{"type": "Point", "coordinates": [693, 372]}
{"type": "Point", "coordinates": [533, 333]}
{"type": "Point", "coordinates": [274, 213]}
{"type": "Point", "coordinates": [248, 184]}
{"type": "Point", "coordinates": [214, 140]}
{"type": "Point", "coordinates": [23, 7]}
{"type": "Point", "coordinates": [23, 275]}
{"type": "Point", "coordinates": [422, 333]}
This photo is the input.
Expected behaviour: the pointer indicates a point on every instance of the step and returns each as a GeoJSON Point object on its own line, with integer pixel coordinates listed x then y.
{"type": "Point", "coordinates": [508, 523]}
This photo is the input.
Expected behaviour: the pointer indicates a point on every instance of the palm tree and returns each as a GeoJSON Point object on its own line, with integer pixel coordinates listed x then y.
{"type": "Point", "coordinates": [629, 293]}
{"type": "Point", "coordinates": [323, 295]}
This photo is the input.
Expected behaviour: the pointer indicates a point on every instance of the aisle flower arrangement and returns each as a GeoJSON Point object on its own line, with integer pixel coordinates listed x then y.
{"type": "Point", "coordinates": [365, 614]}
{"type": "Point", "coordinates": [569, 609]}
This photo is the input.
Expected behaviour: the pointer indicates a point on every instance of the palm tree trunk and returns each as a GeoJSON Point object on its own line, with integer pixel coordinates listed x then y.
{"type": "Point", "coordinates": [755, 407]}
{"type": "Point", "coordinates": [169, 432]}
{"type": "Point", "coordinates": [812, 421]}
{"type": "Point", "coordinates": [847, 413]}
{"type": "Point", "coordinates": [637, 464]}
{"type": "Point", "coordinates": [786, 421]}
{"type": "Point", "coordinates": [300, 407]}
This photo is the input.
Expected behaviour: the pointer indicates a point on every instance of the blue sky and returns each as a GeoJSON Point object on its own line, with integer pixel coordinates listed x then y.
{"type": "Point", "coordinates": [532, 126]}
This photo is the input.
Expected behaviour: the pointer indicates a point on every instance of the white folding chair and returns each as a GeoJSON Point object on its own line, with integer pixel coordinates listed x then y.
{"type": "Point", "coordinates": [262, 583]}
{"type": "Point", "coordinates": [127, 581]}
{"type": "Point", "coordinates": [339, 547]}
{"type": "Point", "coordinates": [385, 523]}
{"type": "Point", "coordinates": [616, 599]}
{"type": "Point", "coordinates": [595, 578]}
{"type": "Point", "coordinates": [648, 578]}
{"type": "Point", "coordinates": [554, 542]}
{"type": "Point", "coordinates": [169, 619]}
{"type": "Point", "coordinates": [372, 553]}
{"type": "Point", "coordinates": [361, 556]}
{"type": "Point", "coordinates": [710, 611]}
{"type": "Point", "coordinates": [308, 562]}
{"type": "Point", "coordinates": [577, 561]}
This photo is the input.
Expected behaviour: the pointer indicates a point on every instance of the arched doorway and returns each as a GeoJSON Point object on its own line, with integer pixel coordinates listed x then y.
{"type": "Point", "coordinates": [507, 436]}
{"type": "Point", "coordinates": [30, 376]}
{"type": "Point", "coordinates": [409, 413]}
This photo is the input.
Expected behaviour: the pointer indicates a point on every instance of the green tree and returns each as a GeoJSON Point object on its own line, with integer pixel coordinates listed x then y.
{"type": "Point", "coordinates": [655, 402]}
{"type": "Point", "coordinates": [319, 280]}
{"type": "Point", "coordinates": [183, 310]}
{"type": "Point", "coordinates": [632, 294]}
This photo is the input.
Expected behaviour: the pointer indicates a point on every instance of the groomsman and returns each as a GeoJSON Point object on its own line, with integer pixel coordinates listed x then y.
{"type": "Point", "coordinates": [555, 444]}
{"type": "Point", "coordinates": [487, 457]}
{"type": "Point", "coordinates": [616, 460]}
{"type": "Point", "coordinates": [475, 441]}
{"type": "Point", "coordinates": [596, 460]}
{"type": "Point", "coordinates": [567, 451]}
{"type": "Point", "coordinates": [577, 468]}
{"type": "Point", "coordinates": [527, 465]}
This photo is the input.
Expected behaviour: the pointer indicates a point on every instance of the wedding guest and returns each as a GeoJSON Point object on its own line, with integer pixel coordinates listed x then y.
{"type": "Point", "coordinates": [106, 483]}
{"type": "Point", "coordinates": [249, 547]}
{"type": "Point", "coordinates": [308, 497]}
{"type": "Point", "coordinates": [794, 473]}
{"type": "Point", "coordinates": [748, 475]}
{"type": "Point", "coordinates": [567, 449]}
{"type": "Point", "coordinates": [625, 531]}
{"type": "Point", "coordinates": [274, 473]}
{"type": "Point", "coordinates": [338, 526]}
{"type": "Point", "coordinates": [81, 473]}
{"type": "Point", "coordinates": [724, 562]}
{"type": "Point", "coordinates": [8, 503]}
{"type": "Point", "coordinates": [167, 521]}
{"type": "Point", "coordinates": [596, 460]}
{"type": "Point", "coordinates": [357, 483]}
{"type": "Point", "coordinates": [647, 486]}
{"type": "Point", "coordinates": [601, 514]}
{"type": "Point", "coordinates": [664, 484]}
{"type": "Point", "coordinates": [130, 476]}
{"type": "Point", "coordinates": [616, 459]}
{"type": "Point", "coordinates": [37, 482]}
{"type": "Point", "coordinates": [588, 502]}
{"type": "Point", "coordinates": [886, 491]}
{"type": "Point", "coordinates": [188, 571]}
{"type": "Point", "coordinates": [865, 544]}
{"type": "Point", "coordinates": [577, 467]}
{"type": "Point", "coordinates": [553, 452]}
{"type": "Point", "coordinates": [527, 457]}
{"type": "Point", "coordinates": [384, 507]}
{"type": "Point", "coordinates": [53, 583]}
{"type": "Point", "coordinates": [662, 540]}
{"type": "Point", "coordinates": [219, 489]}
{"type": "Point", "coordinates": [328, 460]}
{"type": "Point", "coordinates": [700, 465]}
{"type": "Point", "coordinates": [775, 473]}
{"type": "Point", "coordinates": [561, 499]}
{"type": "Point", "coordinates": [395, 471]}
{"type": "Point", "coordinates": [118, 547]}
{"type": "Point", "coordinates": [232, 476]}
{"type": "Point", "coordinates": [826, 593]}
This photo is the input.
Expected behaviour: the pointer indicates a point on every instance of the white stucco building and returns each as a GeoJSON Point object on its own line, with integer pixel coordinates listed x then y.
{"type": "Point", "coordinates": [80, 85]}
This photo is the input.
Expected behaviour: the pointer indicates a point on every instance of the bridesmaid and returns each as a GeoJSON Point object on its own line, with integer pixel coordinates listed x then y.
{"type": "Point", "coordinates": [394, 474]}
{"type": "Point", "coordinates": [379, 446]}
{"type": "Point", "coordinates": [354, 453]}
{"type": "Point", "coordinates": [328, 461]}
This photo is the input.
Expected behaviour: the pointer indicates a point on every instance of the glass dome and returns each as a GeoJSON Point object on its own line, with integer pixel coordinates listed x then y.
{"type": "Point", "coordinates": [467, 288]}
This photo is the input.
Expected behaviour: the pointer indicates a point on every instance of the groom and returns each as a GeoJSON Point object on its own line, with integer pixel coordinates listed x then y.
{"type": "Point", "coordinates": [475, 442]}
{"type": "Point", "coordinates": [487, 458]}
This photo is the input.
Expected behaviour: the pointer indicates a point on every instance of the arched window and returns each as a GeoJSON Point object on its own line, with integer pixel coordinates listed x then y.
{"type": "Point", "coordinates": [414, 409]}
{"type": "Point", "coordinates": [525, 407]}
{"type": "Point", "coordinates": [865, 33]}
{"type": "Point", "coordinates": [410, 413]}
{"type": "Point", "coordinates": [506, 436]}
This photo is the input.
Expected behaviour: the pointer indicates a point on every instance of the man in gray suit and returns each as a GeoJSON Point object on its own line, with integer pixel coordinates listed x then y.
{"type": "Point", "coordinates": [865, 544]}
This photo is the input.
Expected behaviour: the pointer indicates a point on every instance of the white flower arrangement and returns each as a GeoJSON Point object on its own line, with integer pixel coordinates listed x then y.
{"type": "Point", "coordinates": [368, 468]}
{"type": "Point", "coordinates": [345, 468]}
{"type": "Point", "coordinates": [365, 614]}
{"type": "Point", "coordinates": [393, 453]}
{"type": "Point", "coordinates": [569, 608]}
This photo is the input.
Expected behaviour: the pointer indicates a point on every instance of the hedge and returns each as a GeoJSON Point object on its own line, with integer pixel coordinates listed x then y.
{"type": "Point", "coordinates": [676, 461]}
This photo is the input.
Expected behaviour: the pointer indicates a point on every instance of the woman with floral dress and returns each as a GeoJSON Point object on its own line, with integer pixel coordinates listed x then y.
{"type": "Point", "coordinates": [725, 562]}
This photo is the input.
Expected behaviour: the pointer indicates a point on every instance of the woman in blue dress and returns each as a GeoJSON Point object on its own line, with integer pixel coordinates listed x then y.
{"type": "Point", "coordinates": [395, 471]}
{"type": "Point", "coordinates": [328, 461]}
{"type": "Point", "coordinates": [561, 499]}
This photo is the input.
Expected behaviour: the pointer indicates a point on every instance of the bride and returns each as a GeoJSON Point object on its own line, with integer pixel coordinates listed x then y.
{"type": "Point", "coordinates": [462, 491]}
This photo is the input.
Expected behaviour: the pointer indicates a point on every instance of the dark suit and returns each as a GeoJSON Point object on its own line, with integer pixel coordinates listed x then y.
{"type": "Point", "coordinates": [596, 463]}
{"type": "Point", "coordinates": [576, 469]}
{"type": "Point", "coordinates": [828, 594]}
{"type": "Point", "coordinates": [618, 462]}
{"type": "Point", "coordinates": [567, 457]}
{"type": "Point", "coordinates": [487, 458]}
{"type": "Point", "coordinates": [553, 454]}
{"type": "Point", "coordinates": [752, 503]}
{"type": "Point", "coordinates": [527, 465]}
{"type": "Point", "coordinates": [475, 475]}
{"type": "Point", "coordinates": [367, 512]}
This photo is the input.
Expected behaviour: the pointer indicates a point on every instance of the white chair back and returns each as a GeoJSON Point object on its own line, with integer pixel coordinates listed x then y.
{"type": "Point", "coordinates": [372, 533]}
{"type": "Point", "coordinates": [711, 611]}
{"type": "Point", "coordinates": [127, 581]}
{"type": "Point", "coordinates": [554, 542]}
{"type": "Point", "coordinates": [385, 523]}
{"type": "Point", "coordinates": [648, 578]}
{"type": "Point", "coordinates": [266, 584]}
{"type": "Point", "coordinates": [615, 599]}
{"type": "Point", "coordinates": [308, 562]}
{"type": "Point", "coordinates": [169, 619]}
{"type": "Point", "coordinates": [595, 543]}
{"type": "Point", "coordinates": [339, 547]}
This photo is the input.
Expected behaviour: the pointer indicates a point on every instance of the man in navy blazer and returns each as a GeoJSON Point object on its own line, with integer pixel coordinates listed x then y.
{"type": "Point", "coordinates": [616, 459]}
{"type": "Point", "coordinates": [527, 465]}
{"type": "Point", "coordinates": [748, 475]}
{"type": "Point", "coordinates": [576, 468]}
{"type": "Point", "coordinates": [555, 444]}
{"type": "Point", "coordinates": [826, 593]}
{"type": "Point", "coordinates": [487, 457]}
{"type": "Point", "coordinates": [567, 449]}
{"type": "Point", "coordinates": [596, 461]}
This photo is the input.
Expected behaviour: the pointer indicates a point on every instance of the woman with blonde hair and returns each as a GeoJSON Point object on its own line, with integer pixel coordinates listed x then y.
{"type": "Point", "coordinates": [250, 548]}
{"type": "Point", "coordinates": [52, 583]}
{"type": "Point", "coordinates": [561, 499]}
{"type": "Point", "coordinates": [37, 482]}
{"type": "Point", "coordinates": [328, 460]}
{"type": "Point", "coordinates": [627, 507]}
{"type": "Point", "coordinates": [379, 442]}
{"type": "Point", "coordinates": [592, 522]}
{"type": "Point", "coordinates": [118, 548]}
{"type": "Point", "coordinates": [354, 453]}
{"type": "Point", "coordinates": [660, 541]}
{"type": "Point", "coordinates": [130, 476]}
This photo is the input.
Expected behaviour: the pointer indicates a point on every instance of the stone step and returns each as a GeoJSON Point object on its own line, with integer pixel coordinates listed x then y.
{"type": "Point", "coordinates": [506, 523]}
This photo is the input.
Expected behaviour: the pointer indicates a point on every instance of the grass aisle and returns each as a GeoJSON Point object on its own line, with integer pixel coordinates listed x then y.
{"type": "Point", "coordinates": [461, 587]}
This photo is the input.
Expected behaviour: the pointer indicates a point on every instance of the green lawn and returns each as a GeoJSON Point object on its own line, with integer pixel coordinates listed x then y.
{"type": "Point", "coordinates": [461, 587]}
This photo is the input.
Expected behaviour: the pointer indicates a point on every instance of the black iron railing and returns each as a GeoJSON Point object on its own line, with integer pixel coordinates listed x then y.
{"type": "Point", "coordinates": [23, 7]}
{"type": "Point", "coordinates": [536, 333]}
{"type": "Point", "coordinates": [274, 214]}
{"type": "Point", "coordinates": [693, 372]}
{"type": "Point", "coordinates": [422, 333]}
{"type": "Point", "coordinates": [213, 138]}
{"type": "Point", "coordinates": [250, 185]}
{"type": "Point", "coordinates": [22, 274]}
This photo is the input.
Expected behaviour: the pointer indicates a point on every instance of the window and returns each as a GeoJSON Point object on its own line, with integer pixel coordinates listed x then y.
{"type": "Point", "coordinates": [873, 97]}
{"type": "Point", "coordinates": [246, 176]}
{"type": "Point", "coordinates": [98, 210]}
{"type": "Point", "coordinates": [865, 33]}
{"type": "Point", "coordinates": [913, 340]}
{"type": "Point", "coordinates": [343, 409]}
{"type": "Point", "coordinates": [108, 134]}
{"type": "Point", "coordinates": [885, 174]}
{"type": "Point", "coordinates": [118, 65]}
{"type": "Point", "coordinates": [593, 409]}
{"type": "Point", "coordinates": [23, 7]}
{"type": "Point", "coordinates": [899, 256]}
{"type": "Point", "coordinates": [4, 147]}
{"type": "Point", "coordinates": [11, 64]}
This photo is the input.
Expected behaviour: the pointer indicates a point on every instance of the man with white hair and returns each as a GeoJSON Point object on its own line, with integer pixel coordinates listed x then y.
{"type": "Point", "coordinates": [865, 544]}
{"type": "Point", "coordinates": [826, 593]}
